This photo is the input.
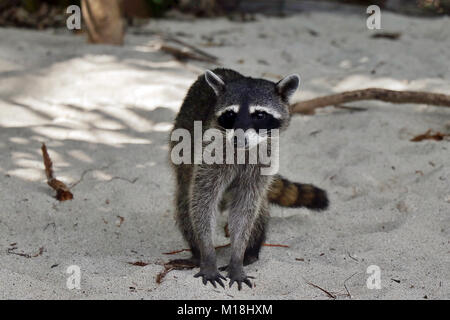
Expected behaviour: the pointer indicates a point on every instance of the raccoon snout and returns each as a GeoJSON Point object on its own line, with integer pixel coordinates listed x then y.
{"type": "Point", "coordinates": [241, 142]}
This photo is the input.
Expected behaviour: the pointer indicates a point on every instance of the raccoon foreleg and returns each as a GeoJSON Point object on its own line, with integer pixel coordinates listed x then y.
{"type": "Point", "coordinates": [244, 211]}
{"type": "Point", "coordinates": [208, 185]}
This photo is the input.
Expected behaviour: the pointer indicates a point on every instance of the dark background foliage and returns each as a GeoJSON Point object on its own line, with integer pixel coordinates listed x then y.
{"type": "Point", "coordinates": [41, 14]}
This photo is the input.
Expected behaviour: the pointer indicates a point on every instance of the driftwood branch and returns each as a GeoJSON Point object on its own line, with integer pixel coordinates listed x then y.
{"type": "Point", "coordinates": [190, 46]}
{"type": "Point", "coordinates": [309, 106]}
{"type": "Point", "coordinates": [184, 54]}
{"type": "Point", "coordinates": [184, 50]}
{"type": "Point", "coordinates": [103, 19]}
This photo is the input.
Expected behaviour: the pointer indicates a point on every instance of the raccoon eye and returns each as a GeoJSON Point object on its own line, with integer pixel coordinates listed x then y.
{"type": "Point", "coordinates": [226, 120]}
{"type": "Point", "coordinates": [264, 120]}
{"type": "Point", "coordinates": [260, 115]}
{"type": "Point", "coordinates": [229, 114]}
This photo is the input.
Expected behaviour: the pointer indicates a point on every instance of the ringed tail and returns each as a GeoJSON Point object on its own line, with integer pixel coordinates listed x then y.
{"type": "Point", "coordinates": [295, 195]}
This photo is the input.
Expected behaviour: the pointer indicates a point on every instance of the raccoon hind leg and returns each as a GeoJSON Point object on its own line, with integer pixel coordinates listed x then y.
{"type": "Point", "coordinates": [184, 220]}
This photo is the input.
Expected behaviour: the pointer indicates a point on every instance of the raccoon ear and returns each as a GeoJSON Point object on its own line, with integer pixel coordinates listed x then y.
{"type": "Point", "coordinates": [214, 82]}
{"type": "Point", "coordinates": [286, 87]}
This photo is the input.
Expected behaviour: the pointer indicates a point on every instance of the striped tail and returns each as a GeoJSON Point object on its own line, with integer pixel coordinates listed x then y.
{"type": "Point", "coordinates": [294, 195]}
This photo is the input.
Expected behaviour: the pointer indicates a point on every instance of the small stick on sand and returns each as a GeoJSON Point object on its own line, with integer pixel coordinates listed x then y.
{"type": "Point", "coordinates": [332, 296]}
{"type": "Point", "coordinates": [308, 106]}
{"type": "Point", "coordinates": [169, 266]}
{"type": "Point", "coordinates": [276, 245]}
{"type": "Point", "coordinates": [177, 251]}
{"type": "Point", "coordinates": [160, 276]}
{"type": "Point", "coordinates": [26, 255]}
{"type": "Point", "coordinates": [345, 285]}
{"type": "Point", "coordinates": [139, 263]}
{"type": "Point", "coordinates": [62, 191]}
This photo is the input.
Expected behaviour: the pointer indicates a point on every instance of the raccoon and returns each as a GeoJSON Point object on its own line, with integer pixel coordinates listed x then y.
{"type": "Point", "coordinates": [228, 101]}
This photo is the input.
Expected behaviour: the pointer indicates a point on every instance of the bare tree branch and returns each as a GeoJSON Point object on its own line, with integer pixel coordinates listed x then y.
{"type": "Point", "coordinates": [308, 106]}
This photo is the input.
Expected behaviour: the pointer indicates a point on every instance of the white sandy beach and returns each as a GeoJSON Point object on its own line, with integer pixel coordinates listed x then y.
{"type": "Point", "coordinates": [105, 114]}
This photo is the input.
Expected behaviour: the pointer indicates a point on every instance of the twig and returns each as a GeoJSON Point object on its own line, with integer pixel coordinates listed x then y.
{"type": "Point", "coordinates": [86, 172]}
{"type": "Point", "coordinates": [139, 263]}
{"type": "Point", "coordinates": [177, 251]}
{"type": "Point", "coordinates": [162, 274]}
{"type": "Point", "coordinates": [348, 253]}
{"type": "Point", "coordinates": [169, 266]}
{"type": "Point", "coordinates": [26, 255]}
{"type": "Point", "coordinates": [276, 245]}
{"type": "Point", "coordinates": [308, 106]}
{"type": "Point", "coordinates": [62, 191]}
{"type": "Point", "coordinates": [345, 285]}
{"type": "Point", "coordinates": [332, 296]}
{"type": "Point", "coordinates": [387, 35]}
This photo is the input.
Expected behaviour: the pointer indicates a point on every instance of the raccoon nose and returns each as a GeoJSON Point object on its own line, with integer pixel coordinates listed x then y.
{"type": "Point", "coordinates": [241, 142]}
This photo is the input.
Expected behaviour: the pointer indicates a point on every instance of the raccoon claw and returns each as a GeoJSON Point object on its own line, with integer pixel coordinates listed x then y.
{"type": "Point", "coordinates": [239, 283]}
{"type": "Point", "coordinates": [212, 277]}
{"type": "Point", "coordinates": [239, 279]}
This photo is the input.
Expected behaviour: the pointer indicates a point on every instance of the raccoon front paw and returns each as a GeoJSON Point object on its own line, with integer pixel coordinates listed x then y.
{"type": "Point", "coordinates": [239, 276]}
{"type": "Point", "coordinates": [212, 275]}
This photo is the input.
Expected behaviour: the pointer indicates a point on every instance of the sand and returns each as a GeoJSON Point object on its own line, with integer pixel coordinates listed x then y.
{"type": "Point", "coordinates": [105, 113]}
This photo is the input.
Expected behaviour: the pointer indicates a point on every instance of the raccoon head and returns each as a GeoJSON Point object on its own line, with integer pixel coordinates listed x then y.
{"type": "Point", "coordinates": [252, 106]}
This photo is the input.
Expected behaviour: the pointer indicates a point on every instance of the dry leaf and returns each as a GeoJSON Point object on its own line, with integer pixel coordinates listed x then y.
{"type": "Point", "coordinates": [430, 135]}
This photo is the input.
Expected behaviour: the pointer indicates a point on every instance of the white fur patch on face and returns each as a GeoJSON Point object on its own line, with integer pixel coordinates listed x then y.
{"type": "Point", "coordinates": [234, 108]}
{"type": "Point", "coordinates": [268, 110]}
{"type": "Point", "coordinates": [248, 139]}
{"type": "Point", "coordinates": [230, 135]}
{"type": "Point", "coordinates": [253, 138]}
